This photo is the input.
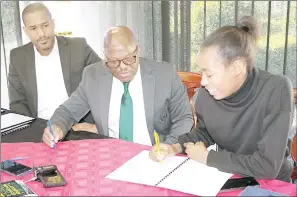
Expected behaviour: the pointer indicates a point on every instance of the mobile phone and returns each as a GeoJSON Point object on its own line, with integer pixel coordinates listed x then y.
{"type": "Point", "coordinates": [50, 176]}
{"type": "Point", "coordinates": [14, 168]}
{"type": "Point", "coordinates": [239, 183]}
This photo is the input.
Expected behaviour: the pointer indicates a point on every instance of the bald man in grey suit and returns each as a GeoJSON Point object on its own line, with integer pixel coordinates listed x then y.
{"type": "Point", "coordinates": [159, 99]}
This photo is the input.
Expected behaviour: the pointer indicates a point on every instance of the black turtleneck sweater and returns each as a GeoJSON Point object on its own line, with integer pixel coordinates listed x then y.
{"type": "Point", "coordinates": [250, 127]}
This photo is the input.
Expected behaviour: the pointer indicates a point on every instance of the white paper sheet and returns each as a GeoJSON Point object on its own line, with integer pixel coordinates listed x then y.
{"type": "Point", "coordinates": [191, 177]}
{"type": "Point", "coordinates": [141, 169]}
{"type": "Point", "coordinates": [196, 178]}
{"type": "Point", "coordinates": [10, 119]}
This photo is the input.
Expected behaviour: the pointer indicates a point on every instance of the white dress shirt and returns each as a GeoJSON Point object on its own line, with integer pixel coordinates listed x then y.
{"type": "Point", "coordinates": [51, 90]}
{"type": "Point", "coordinates": [140, 130]}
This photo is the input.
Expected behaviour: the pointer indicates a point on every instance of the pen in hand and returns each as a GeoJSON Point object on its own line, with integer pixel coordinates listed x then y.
{"type": "Point", "coordinates": [51, 131]}
{"type": "Point", "coordinates": [157, 140]}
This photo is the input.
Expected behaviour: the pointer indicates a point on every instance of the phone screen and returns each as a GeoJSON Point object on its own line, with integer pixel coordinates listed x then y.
{"type": "Point", "coordinates": [14, 168]}
{"type": "Point", "coordinates": [53, 178]}
{"type": "Point", "coordinates": [238, 183]}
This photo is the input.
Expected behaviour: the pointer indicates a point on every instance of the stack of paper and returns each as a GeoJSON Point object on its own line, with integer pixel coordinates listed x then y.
{"type": "Point", "coordinates": [12, 122]}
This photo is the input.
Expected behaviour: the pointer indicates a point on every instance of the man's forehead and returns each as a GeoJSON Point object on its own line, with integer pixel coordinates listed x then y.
{"type": "Point", "coordinates": [122, 49]}
{"type": "Point", "coordinates": [31, 19]}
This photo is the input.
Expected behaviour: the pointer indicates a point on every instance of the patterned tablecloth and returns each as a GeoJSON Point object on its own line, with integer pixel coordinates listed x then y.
{"type": "Point", "coordinates": [85, 163]}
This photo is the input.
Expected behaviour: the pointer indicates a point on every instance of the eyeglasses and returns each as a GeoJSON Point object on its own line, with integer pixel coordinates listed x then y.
{"type": "Point", "coordinates": [127, 61]}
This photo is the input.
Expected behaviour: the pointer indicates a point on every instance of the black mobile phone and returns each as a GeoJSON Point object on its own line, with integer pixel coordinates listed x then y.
{"type": "Point", "coordinates": [14, 168]}
{"type": "Point", "coordinates": [50, 176]}
{"type": "Point", "coordinates": [239, 183]}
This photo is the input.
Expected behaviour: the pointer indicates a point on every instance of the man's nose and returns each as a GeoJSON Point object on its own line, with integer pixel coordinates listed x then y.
{"type": "Point", "coordinates": [122, 65]}
{"type": "Point", "coordinates": [40, 32]}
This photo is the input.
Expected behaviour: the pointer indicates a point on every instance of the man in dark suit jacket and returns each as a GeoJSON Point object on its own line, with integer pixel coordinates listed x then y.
{"type": "Point", "coordinates": [27, 83]}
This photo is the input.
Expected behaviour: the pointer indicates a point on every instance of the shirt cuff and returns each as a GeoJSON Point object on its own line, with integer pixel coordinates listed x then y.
{"type": "Point", "coordinates": [181, 141]}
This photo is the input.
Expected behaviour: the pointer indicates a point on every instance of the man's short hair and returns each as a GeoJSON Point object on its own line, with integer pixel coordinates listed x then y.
{"type": "Point", "coordinates": [33, 7]}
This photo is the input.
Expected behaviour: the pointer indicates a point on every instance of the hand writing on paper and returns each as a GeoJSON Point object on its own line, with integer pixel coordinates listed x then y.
{"type": "Point", "coordinates": [166, 150]}
{"type": "Point", "coordinates": [49, 139]}
{"type": "Point", "coordinates": [196, 151]}
{"type": "Point", "coordinates": [85, 127]}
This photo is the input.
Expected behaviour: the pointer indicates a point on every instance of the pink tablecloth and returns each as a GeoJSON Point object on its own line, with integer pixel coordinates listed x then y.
{"type": "Point", "coordinates": [85, 163]}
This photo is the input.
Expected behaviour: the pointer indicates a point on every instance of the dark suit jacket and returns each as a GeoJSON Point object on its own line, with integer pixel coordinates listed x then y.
{"type": "Point", "coordinates": [75, 55]}
{"type": "Point", "coordinates": [166, 103]}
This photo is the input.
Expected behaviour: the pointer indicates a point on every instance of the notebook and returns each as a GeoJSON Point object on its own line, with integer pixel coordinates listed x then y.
{"type": "Point", "coordinates": [12, 122]}
{"type": "Point", "coordinates": [16, 188]}
{"type": "Point", "coordinates": [176, 173]}
{"type": "Point", "coordinates": [257, 191]}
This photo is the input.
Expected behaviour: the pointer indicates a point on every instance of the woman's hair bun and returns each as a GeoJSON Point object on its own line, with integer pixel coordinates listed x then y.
{"type": "Point", "coordinates": [249, 25]}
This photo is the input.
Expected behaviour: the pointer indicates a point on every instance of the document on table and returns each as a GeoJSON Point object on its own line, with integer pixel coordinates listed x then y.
{"type": "Point", "coordinates": [176, 173]}
{"type": "Point", "coordinates": [11, 120]}
{"type": "Point", "coordinates": [141, 169]}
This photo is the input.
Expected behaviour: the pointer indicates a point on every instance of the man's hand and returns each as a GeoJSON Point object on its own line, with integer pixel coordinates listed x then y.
{"type": "Point", "coordinates": [165, 150]}
{"type": "Point", "coordinates": [196, 151]}
{"type": "Point", "coordinates": [85, 127]}
{"type": "Point", "coordinates": [49, 139]}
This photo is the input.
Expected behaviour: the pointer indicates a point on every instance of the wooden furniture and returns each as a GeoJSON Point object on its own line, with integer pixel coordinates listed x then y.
{"type": "Point", "coordinates": [192, 82]}
{"type": "Point", "coordinates": [294, 145]}
{"type": "Point", "coordinates": [295, 95]}
{"type": "Point", "coordinates": [294, 157]}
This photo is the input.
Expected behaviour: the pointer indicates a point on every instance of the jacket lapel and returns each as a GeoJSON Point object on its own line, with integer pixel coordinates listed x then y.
{"type": "Point", "coordinates": [148, 84]}
{"type": "Point", "coordinates": [64, 52]}
{"type": "Point", "coordinates": [31, 74]}
{"type": "Point", "coordinates": [105, 85]}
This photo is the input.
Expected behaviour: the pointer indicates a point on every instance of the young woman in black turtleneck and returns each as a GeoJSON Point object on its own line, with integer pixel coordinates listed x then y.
{"type": "Point", "coordinates": [246, 111]}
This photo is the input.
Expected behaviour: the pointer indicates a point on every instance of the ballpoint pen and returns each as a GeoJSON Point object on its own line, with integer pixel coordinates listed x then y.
{"type": "Point", "coordinates": [19, 158]}
{"type": "Point", "coordinates": [51, 131]}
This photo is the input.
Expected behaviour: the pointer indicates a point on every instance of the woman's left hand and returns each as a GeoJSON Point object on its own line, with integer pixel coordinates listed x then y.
{"type": "Point", "coordinates": [196, 151]}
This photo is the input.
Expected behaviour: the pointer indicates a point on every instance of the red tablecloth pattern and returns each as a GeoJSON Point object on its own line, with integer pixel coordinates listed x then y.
{"type": "Point", "coordinates": [85, 163]}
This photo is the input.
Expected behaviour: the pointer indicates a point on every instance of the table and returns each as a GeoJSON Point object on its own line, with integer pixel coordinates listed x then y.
{"type": "Point", "coordinates": [35, 131]}
{"type": "Point", "coordinates": [85, 163]}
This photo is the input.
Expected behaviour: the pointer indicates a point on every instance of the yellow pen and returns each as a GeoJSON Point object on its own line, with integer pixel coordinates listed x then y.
{"type": "Point", "coordinates": [157, 140]}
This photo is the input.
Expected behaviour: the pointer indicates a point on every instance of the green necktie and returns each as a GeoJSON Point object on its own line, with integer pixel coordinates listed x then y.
{"type": "Point", "coordinates": [126, 115]}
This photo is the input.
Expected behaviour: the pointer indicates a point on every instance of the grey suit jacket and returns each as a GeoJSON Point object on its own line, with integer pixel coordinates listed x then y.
{"type": "Point", "coordinates": [166, 102]}
{"type": "Point", "coordinates": [75, 55]}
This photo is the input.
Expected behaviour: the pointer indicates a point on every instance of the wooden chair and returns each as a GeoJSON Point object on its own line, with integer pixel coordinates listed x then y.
{"type": "Point", "coordinates": [294, 157]}
{"type": "Point", "coordinates": [295, 95]}
{"type": "Point", "coordinates": [294, 145]}
{"type": "Point", "coordinates": [191, 81]}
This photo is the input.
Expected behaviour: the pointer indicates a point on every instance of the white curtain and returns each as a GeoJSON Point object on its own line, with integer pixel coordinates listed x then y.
{"type": "Point", "coordinates": [93, 18]}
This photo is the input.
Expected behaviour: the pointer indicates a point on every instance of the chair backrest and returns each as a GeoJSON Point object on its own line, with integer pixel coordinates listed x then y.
{"type": "Point", "coordinates": [191, 81]}
{"type": "Point", "coordinates": [295, 95]}
{"type": "Point", "coordinates": [294, 143]}
{"type": "Point", "coordinates": [294, 149]}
